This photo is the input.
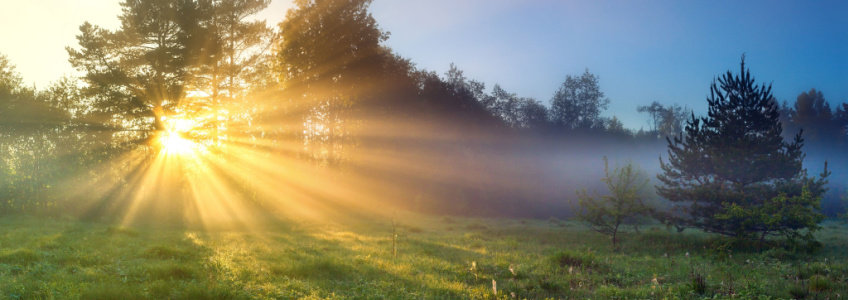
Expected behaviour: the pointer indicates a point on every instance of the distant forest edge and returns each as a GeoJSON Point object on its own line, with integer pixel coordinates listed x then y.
{"type": "Point", "coordinates": [317, 112]}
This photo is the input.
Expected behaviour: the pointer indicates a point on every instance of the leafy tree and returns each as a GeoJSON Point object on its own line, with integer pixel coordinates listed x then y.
{"type": "Point", "coordinates": [578, 103]}
{"type": "Point", "coordinates": [329, 59]}
{"type": "Point", "coordinates": [515, 111]}
{"type": "Point", "coordinates": [454, 98]}
{"type": "Point", "coordinates": [141, 74]}
{"type": "Point", "coordinates": [609, 214]}
{"type": "Point", "coordinates": [665, 120]}
{"type": "Point", "coordinates": [10, 81]}
{"type": "Point", "coordinates": [233, 49]}
{"type": "Point", "coordinates": [615, 126]}
{"type": "Point", "coordinates": [733, 174]}
{"type": "Point", "coordinates": [506, 106]}
{"type": "Point", "coordinates": [533, 113]}
{"type": "Point", "coordinates": [140, 71]}
{"type": "Point", "coordinates": [31, 131]}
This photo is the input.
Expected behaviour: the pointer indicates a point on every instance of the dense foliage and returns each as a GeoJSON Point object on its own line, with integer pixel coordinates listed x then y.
{"type": "Point", "coordinates": [733, 174]}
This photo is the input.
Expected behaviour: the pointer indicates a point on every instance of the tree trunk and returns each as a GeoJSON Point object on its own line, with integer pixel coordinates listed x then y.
{"type": "Point", "coordinates": [614, 234]}
{"type": "Point", "coordinates": [762, 240]}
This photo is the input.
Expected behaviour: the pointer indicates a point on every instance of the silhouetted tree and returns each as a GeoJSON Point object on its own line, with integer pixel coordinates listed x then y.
{"type": "Point", "coordinates": [578, 103]}
{"type": "Point", "coordinates": [615, 126]}
{"type": "Point", "coordinates": [841, 117]}
{"type": "Point", "coordinates": [533, 114]}
{"type": "Point", "coordinates": [139, 75]}
{"type": "Point", "coordinates": [230, 51]}
{"type": "Point", "coordinates": [329, 59]}
{"type": "Point", "coordinates": [666, 120]}
{"type": "Point", "coordinates": [822, 125]}
{"type": "Point", "coordinates": [139, 72]}
{"type": "Point", "coordinates": [813, 113]}
{"type": "Point", "coordinates": [10, 81]}
{"type": "Point", "coordinates": [733, 174]}
{"type": "Point", "coordinates": [506, 106]}
{"type": "Point", "coordinates": [518, 112]}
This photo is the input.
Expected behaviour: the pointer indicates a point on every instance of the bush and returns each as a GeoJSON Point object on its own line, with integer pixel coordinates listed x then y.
{"type": "Point", "coordinates": [608, 214]}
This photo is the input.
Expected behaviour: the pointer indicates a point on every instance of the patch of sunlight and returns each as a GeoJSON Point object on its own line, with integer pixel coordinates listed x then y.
{"type": "Point", "coordinates": [192, 236]}
{"type": "Point", "coordinates": [343, 236]}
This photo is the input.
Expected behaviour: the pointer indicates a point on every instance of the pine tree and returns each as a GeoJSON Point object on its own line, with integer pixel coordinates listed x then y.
{"type": "Point", "coordinates": [733, 174]}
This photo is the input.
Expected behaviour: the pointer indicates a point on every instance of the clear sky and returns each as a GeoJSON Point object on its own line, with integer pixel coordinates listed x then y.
{"type": "Point", "coordinates": [643, 51]}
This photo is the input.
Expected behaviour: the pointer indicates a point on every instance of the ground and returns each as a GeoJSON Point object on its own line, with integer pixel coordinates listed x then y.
{"type": "Point", "coordinates": [434, 258]}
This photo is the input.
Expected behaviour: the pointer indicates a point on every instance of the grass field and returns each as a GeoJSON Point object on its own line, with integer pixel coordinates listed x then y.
{"type": "Point", "coordinates": [436, 258]}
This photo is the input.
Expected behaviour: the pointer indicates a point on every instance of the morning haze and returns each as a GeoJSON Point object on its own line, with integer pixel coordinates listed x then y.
{"type": "Point", "coordinates": [253, 149]}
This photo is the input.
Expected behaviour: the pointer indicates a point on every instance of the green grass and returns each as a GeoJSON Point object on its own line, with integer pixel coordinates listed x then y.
{"type": "Point", "coordinates": [438, 258]}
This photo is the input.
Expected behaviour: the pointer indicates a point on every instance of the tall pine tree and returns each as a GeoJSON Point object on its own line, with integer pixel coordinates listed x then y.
{"type": "Point", "coordinates": [733, 174]}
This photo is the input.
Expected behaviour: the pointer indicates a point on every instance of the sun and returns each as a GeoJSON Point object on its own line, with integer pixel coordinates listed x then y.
{"type": "Point", "coordinates": [175, 140]}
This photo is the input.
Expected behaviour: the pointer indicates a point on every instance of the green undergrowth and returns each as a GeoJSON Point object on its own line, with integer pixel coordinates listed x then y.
{"type": "Point", "coordinates": [436, 258]}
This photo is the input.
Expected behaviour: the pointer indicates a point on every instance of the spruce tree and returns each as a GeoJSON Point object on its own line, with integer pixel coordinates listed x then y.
{"type": "Point", "coordinates": [733, 174]}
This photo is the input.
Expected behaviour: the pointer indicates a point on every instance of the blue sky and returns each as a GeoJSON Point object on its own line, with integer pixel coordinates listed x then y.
{"type": "Point", "coordinates": [643, 51]}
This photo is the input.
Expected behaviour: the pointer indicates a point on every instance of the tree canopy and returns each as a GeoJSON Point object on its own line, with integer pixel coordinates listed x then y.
{"type": "Point", "coordinates": [579, 102]}
{"type": "Point", "coordinates": [732, 168]}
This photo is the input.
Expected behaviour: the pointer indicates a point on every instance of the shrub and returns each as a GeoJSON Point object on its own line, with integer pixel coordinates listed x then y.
{"type": "Point", "coordinates": [608, 214]}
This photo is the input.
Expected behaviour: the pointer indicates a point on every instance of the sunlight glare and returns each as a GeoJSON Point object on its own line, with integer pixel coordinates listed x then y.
{"type": "Point", "coordinates": [174, 143]}
{"type": "Point", "coordinates": [174, 140]}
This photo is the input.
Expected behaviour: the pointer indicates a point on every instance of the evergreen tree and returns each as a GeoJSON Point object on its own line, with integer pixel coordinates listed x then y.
{"type": "Point", "coordinates": [732, 173]}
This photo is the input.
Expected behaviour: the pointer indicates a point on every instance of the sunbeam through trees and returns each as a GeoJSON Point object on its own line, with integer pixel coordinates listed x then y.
{"type": "Point", "coordinates": [196, 149]}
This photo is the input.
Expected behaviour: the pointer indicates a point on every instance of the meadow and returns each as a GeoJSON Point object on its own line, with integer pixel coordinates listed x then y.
{"type": "Point", "coordinates": [426, 258]}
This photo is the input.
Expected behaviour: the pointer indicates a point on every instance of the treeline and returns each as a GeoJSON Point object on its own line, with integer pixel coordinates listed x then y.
{"type": "Point", "coordinates": [336, 117]}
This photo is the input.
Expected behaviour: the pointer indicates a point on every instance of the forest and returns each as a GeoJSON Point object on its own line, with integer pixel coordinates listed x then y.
{"type": "Point", "coordinates": [193, 114]}
{"type": "Point", "coordinates": [331, 101]}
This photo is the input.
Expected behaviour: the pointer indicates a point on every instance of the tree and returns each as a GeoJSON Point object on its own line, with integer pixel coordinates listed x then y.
{"type": "Point", "coordinates": [665, 120]}
{"type": "Point", "coordinates": [140, 71]}
{"type": "Point", "coordinates": [841, 119]}
{"type": "Point", "coordinates": [329, 59]}
{"type": "Point", "coordinates": [31, 131]}
{"type": "Point", "coordinates": [232, 49]}
{"type": "Point", "coordinates": [733, 174]}
{"type": "Point", "coordinates": [578, 103]}
{"type": "Point", "coordinates": [533, 114]}
{"type": "Point", "coordinates": [822, 125]}
{"type": "Point", "coordinates": [609, 213]}
{"type": "Point", "coordinates": [517, 112]}
{"type": "Point", "coordinates": [10, 81]}
{"type": "Point", "coordinates": [615, 126]}
{"type": "Point", "coordinates": [141, 74]}
{"type": "Point", "coordinates": [506, 106]}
